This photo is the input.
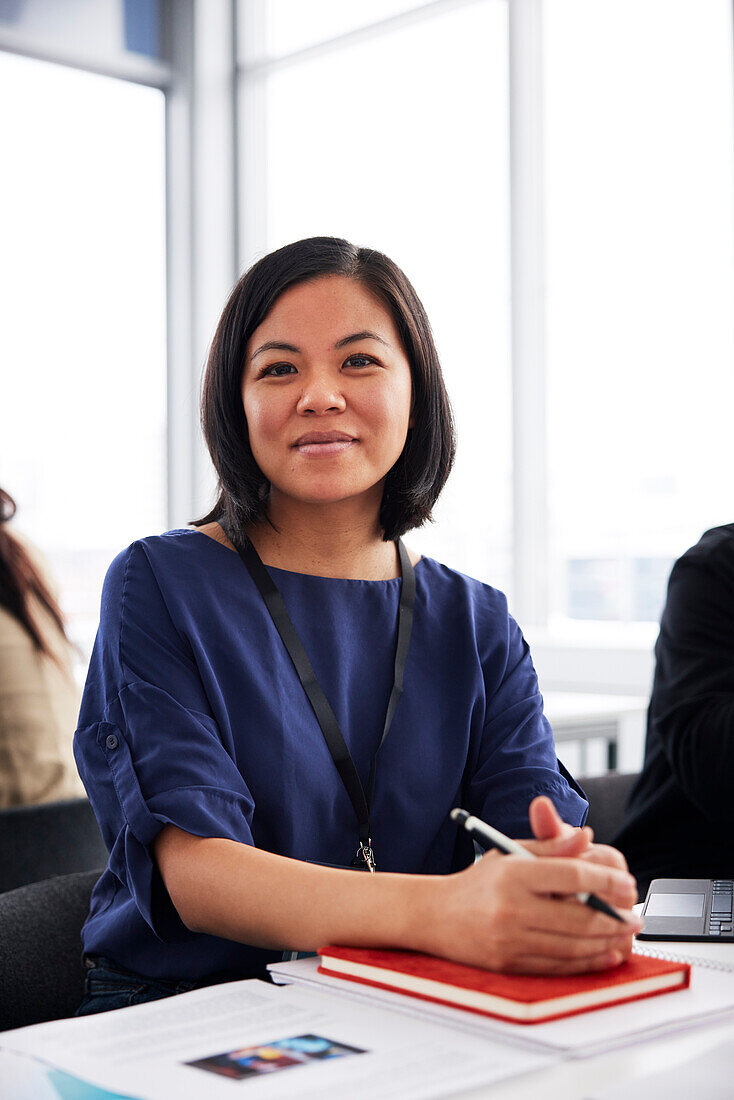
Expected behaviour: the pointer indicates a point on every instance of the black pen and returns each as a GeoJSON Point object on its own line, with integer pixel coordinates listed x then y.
{"type": "Point", "coordinates": [486, 834]}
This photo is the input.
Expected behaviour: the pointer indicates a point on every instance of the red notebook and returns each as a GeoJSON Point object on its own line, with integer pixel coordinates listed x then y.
{"type": "Point", "coordinates": [519, 998]}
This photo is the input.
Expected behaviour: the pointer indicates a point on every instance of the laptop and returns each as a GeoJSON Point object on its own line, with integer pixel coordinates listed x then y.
{"type": "Point", "coordinates": [688, 909]}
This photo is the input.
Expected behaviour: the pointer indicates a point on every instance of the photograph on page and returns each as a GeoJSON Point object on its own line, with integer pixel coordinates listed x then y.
{"type": "Point", "coordinates": [280, 1054]}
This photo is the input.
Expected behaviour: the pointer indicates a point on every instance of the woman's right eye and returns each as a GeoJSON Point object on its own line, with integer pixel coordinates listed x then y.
{"type": "Point", "coordinates": [277, 370]}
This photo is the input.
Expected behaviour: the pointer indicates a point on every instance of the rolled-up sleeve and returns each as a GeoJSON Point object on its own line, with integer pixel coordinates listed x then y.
{"type": "Point", "coordinates": [517, 757]}
{"type": "Point", "coordinates": [147, 746]}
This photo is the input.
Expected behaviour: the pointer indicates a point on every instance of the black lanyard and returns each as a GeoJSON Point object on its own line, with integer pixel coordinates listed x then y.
{"type": "Point", "coordinates": [333, 736]}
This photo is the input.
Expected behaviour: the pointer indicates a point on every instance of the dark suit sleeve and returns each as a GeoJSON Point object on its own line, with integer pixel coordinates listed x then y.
{"type": "Point", "coordinates": [692, 706]}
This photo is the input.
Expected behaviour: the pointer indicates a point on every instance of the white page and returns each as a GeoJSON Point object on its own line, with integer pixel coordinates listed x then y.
{"type": "Point", "coordinates": [21, 1078]}
{"type": "Point", "coordinates": [709, 1075]}
{"type": "Point", "coordinates": [143, 1050]}
{"type": "Point", "coordinates": [473, 1023]}
{"type": "Point", "coordinates": [710, 997]}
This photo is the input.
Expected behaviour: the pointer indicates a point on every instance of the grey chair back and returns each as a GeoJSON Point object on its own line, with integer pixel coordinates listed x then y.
{"type": "Point", "coordinates": [607, 795]}
{"type": "Point", "coordinates": [41, 970]}
{"type": "Point", "coordinates": [55, 838]}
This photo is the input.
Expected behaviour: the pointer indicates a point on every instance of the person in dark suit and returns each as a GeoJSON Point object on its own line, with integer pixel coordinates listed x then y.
{"type": "Point", "coordinates": [679, 817]}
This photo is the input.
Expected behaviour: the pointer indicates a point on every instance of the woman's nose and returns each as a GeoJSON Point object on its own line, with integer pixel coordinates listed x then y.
{"type": "Point", "coordinates": [321, 395]}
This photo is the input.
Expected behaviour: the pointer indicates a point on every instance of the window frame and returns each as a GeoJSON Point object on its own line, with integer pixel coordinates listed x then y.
{"type": "Point", "coordinates": [213, 80]}
{"type": "Point", "coordinates": [622, 663]}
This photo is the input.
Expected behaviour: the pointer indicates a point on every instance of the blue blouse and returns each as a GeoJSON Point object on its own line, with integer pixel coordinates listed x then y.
{"type": "Point", "coordinates": [193, 714]}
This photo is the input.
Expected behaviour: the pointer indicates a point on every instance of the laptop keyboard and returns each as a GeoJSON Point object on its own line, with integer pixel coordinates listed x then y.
{"type": "Point", "coordinates": [720, 920]}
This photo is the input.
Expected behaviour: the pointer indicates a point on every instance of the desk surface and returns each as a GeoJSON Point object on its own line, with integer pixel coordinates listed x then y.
{"type": "Point", "coordinates": [578, 1080]}
{"type": "Point", "coordinates": [570, 1080]}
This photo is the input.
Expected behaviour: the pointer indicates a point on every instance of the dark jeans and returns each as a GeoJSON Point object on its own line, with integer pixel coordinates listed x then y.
{"type": "Point", "coordinates": [107, 986]}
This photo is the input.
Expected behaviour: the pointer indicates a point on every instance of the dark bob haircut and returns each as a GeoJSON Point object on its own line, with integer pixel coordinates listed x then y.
{"type": "Point", "coordinates": [413, 484]}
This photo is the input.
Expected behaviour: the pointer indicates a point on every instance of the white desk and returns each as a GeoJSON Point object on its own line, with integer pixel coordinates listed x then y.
{"type": "Point", "coordinates": [570, 1080]}
{"type": "Point", "coordinates": [578, 1080]}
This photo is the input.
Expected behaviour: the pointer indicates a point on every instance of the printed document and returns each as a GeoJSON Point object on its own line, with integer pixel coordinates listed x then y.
{"type": "Point", "coordinates": [275, 1042]}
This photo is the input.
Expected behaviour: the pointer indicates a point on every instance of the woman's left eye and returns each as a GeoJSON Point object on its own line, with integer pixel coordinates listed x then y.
{"type": "Point", "coordinates": [358, 361]}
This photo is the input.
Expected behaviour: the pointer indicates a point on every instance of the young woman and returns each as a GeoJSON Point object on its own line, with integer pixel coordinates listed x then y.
{"type": "Point", "coordinates": [287, 694]}
{"type": "Point", "coordinates": [39, 699]}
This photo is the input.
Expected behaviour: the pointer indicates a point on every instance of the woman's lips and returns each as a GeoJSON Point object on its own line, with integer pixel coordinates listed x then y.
{"type": "Point", "coordinates": [324, 444]}
{"type": "Point", "coordinates": [323, 450]}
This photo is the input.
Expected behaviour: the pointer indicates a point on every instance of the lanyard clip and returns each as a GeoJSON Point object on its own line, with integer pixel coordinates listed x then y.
{"type": "Point", "coordinates": [365, 857]}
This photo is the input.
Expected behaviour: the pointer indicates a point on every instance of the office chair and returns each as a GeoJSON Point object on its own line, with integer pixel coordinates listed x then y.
{"type": "Point", "coordinates": [607, 795]}
{"type": "Point", "coordinates": [41, 970]}
{"type": "Point", "coordinates": [55, 838]}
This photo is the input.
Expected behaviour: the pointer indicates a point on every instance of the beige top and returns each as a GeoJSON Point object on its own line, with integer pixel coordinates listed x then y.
{"type": "Point", "coordinates": [39, 705]}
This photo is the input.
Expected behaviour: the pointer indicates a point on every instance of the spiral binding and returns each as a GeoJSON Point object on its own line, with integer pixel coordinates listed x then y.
{"type": "Point", "coordinates": [668, 956]}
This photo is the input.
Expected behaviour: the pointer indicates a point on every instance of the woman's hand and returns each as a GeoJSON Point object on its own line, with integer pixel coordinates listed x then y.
{"type": "Point", "coordinates": [517, 915]}
{"type": "Point", "coordinates": [554, 837]}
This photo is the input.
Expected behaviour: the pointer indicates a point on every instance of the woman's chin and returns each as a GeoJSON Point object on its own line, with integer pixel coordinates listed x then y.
{"type": "Point", "coordinates": [325, 495]}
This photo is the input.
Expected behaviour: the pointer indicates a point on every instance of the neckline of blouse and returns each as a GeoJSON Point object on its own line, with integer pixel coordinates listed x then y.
{"type": "Point", "coordinates": [293, 573]}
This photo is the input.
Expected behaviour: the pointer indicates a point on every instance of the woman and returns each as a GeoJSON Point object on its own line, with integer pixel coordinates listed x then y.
{"type": "Point", "coordinates": [219, 796]}
{"type": "Point", "coordinates": [39, 699]}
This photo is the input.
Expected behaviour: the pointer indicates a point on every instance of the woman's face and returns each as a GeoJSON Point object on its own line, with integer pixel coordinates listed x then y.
{"type": "Point", "coordinates": [327, 393]}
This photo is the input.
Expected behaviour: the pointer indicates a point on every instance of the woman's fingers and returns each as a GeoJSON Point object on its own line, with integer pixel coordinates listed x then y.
{"type": "Point", "coordinates": [552, 946]}
{"type": "Point", "coordinates": [548, 964]}
{"type": "Point", "coordinates": [575, 876]}
{"type": "Point", "coordinates": [544, 819]}
{"type": "Point", "coordinates": [570, 917]}
{"type": "Point", "coordinates": [553, 837]}
{"type": "Point", "coordinates": [546, 823]}
{"type": "Point", "coordinates": [572, 845]}
{"type": "Point", "coordinates": [604, 853]}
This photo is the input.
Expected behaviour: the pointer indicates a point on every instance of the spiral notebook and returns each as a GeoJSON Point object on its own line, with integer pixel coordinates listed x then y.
{"type": "Point", "coordinates": [699, 961]}
{"type": "Point", "coordinates": [710, 998]}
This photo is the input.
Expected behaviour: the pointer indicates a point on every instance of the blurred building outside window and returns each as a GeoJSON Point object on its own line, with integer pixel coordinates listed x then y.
{"type": "Point", "coordinates": [399, 143]}
{"type": "Point", "coordinates": [389, 124]}
{"type": "Point", "coordinates": [83, 340]}
{"type": "Point", "coordinates": [640, 258]}
{"type": "Point", "coordinates": [639, 137]}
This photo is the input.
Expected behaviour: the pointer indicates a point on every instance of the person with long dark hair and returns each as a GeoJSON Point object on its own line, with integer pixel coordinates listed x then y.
{"type": "Point", "coordinates": [286, 695]}
{"type": "Point", "coordinates": [39, 699]}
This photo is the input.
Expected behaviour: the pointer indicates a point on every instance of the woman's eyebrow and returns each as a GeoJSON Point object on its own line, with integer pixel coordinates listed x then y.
{"type": "Point", "coordinates": [353, 338]}
{"type": "Point", "coordinates": [356, 336]}
{"type": "Point", "coordinates": [276, 345]}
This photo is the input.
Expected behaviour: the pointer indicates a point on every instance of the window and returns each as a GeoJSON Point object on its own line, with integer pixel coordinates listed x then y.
{"type": "Point", "coordinates": [640, 177]}
{"type": "Point", "coordinates": [82, 281]}
{"type": "Point", "coordinates": [400, 142]}
{"type": "Point", "coordinates": [389, 123]}
{"type": "Point", "coordinates": [293, 25]}
{"type": "Point", "coordinates": [107, 33]}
